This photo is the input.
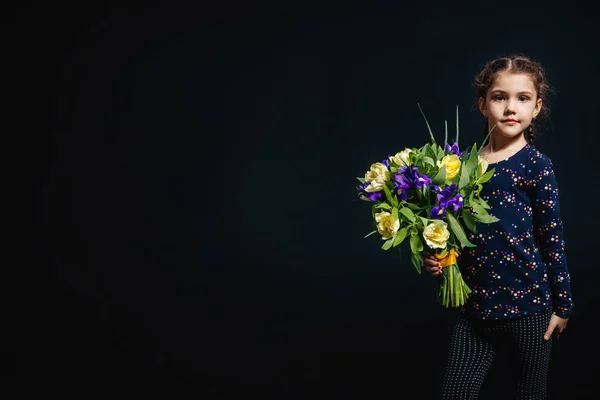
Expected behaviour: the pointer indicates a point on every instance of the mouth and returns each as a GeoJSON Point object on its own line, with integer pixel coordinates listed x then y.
{"type": "Point", "coordinates": [510, 121]}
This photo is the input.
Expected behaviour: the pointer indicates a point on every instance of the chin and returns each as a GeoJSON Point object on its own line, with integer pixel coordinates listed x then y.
{"type": "Point", "coordinates": [510, 133]}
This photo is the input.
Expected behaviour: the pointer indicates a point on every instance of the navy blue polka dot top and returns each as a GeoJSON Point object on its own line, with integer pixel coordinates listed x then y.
{"type": "Point", "coordinates": [519, 265]}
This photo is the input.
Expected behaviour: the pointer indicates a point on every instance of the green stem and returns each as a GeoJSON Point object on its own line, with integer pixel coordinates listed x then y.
{"type": "Point", "coordinates": [444, 299]}
{"type": "Point", "coordinates": [459, 294]}
{"type": "Point", "coordinates": [457, 123]}
{"type": "Point", "coordinates": [452, 283]}
{"type": "Point", "coordinates": [445, 133]}
{"type": "Point", "coordinates": [443, 292]}
{"type": "Point", "coordinates": [458, 285]}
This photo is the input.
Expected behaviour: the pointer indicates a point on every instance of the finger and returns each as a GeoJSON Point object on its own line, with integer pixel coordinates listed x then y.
{"type": "Point", "coordinates": [549, 331]}
{"type": "Point", "coordinates": [431, 269]}
{"type": "Point", "coordinates": [428, 267]}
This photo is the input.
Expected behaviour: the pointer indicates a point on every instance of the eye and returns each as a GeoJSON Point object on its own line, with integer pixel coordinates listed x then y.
{"type": "Point", "coordinates": [523, 98]}
{"type": "Point", "coordinates": [498, 97]}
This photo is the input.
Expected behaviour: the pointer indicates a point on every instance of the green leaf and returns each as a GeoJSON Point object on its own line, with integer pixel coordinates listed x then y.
{"type": "Point", "coordinates": [468, 167]}
{"type": "Point", "coordinates": [361, 180]}
{"type": "Point", "coordinates": [471, 197]}
{"type": "Point", "coordinates": [463, 158]}
{"type": "Point", "coordinates": [473, 159]}
{"type": "Point", "coordinates": [479, 209]}
{"type": "Point", "coordinates": [425, 221]}
{"type": "Point", "coordinates": [400, 236]}
{"type": "Point", "coordinates": [485, 139]}
{"type": "Point", "coordinates": [412, 206]}
{"type": "Point", "coordinates": [428, 127]}
{"type": "Point", "coordinates": [388, 243]}
{"type": "Point", "coordinates": [433, 150]}
{"type": "Point", "coordinates": [416, 260]}
{"type": "Point", "coordinates": [391, 198]}
{"type": "Point", "coordinates": [483, 203]}
{"type": "Point", "coordinates": [416, 158]}
{"type": "Point", "coordinates": [486, 218]}
{"type": "Point", "coordinates": [465, 175]}
{"type": "Point", "coordinates": [458, 231]}
{"type": "Point", "coordinates": [441, 152]}
{"type": "Point", "coordinates": [486, 177]}
{"type": "Point", "coordinates": [416, 246]}
{"type": "Point", "coordinates": [429, 160]}
{"type": "Point", "coordinates": [394, 214]}
{"type": "Point", "coordinates": [469, 220]}
{"type": "Point", "coordinates": [440, 177]}
{"type": "Point", "coordinates": [375, 231]}
{"type": "Point", "coordinates": [383, 205]}
{"type": "Point", "coordinates": [407, 212]}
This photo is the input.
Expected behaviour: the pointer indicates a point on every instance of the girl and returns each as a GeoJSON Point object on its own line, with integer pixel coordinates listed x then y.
{"type": "Point", "coordinates": [521, 295]}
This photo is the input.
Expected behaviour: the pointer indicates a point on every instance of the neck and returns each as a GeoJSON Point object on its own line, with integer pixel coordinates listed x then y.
{"type": "Point", "coordinates": [498, 142]}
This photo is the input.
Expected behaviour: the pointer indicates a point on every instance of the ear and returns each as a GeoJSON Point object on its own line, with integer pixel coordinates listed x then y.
{"type": "Point", "coordinates": [481, 104]}
{"type": "Point", "coordinates": [538, 108]}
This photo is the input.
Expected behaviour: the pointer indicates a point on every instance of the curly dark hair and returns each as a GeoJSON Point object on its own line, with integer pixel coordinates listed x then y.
{"type": "Point", "coordinates": [515, 63]}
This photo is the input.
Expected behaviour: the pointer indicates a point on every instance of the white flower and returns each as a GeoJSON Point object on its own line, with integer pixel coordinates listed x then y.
{"type": "Point", "coordinates": [377, 177]}
{"type": "Point", "coordinates": [436, 234]}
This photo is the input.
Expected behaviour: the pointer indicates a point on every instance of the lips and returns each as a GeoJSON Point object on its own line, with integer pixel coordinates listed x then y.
{"type": "Point", "coordinates": [510, 120]}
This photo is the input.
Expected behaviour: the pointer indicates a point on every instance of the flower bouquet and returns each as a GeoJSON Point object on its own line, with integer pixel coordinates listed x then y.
{"type": "Point", "coordinates": [428, 196]}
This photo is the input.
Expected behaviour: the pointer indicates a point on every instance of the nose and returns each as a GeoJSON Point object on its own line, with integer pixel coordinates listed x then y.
{"type": "Point", "coordinates": [510, 107]}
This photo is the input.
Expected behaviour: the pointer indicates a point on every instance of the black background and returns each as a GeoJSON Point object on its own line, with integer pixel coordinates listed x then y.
{"type": "Point", "coordinates": [194, 211]}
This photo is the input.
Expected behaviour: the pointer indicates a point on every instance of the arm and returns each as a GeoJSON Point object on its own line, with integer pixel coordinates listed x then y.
{"type": "Point", "coordinates": [548, 231]}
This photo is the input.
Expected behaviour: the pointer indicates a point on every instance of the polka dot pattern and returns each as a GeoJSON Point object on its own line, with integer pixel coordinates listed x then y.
{"type": "Point", "coordinates": [475, 343]}
{"type": "Point", "coordinates": [519, 265]}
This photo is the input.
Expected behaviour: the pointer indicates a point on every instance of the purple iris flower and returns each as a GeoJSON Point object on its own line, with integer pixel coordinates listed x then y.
{"type": "Point", "coordinates": [409, 178]}
{"type": "Point", "coordinates": [446, 200]}
{"type": "Point", "coordinates": [400, 192]}
{"type": "Point", "coordinates": [386, 162]}
{"type": "Point", "coordinates": [364, 195]}
{"type": "Point", "coordinates": [454, 149]}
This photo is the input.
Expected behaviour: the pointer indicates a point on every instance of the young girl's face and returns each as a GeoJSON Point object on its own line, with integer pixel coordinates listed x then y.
{"type": "Point", "coordinates": [511, 103]}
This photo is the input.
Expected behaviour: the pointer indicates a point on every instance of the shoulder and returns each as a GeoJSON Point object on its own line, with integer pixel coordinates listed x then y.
{"type": "Point", "coordinates": [538, 161]}
{"type": "Point", "coordinates": [539, 168]}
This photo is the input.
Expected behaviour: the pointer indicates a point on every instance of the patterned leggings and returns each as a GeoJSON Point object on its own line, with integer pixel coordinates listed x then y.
{"type": "Point", "coordinates": [472, 351]}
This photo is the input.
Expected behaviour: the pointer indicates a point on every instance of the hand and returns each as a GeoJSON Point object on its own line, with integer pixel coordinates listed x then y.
{"type": "Point", "coordinates": [431, 264]}
{"type": "Point", "coordinates": [555, 327]}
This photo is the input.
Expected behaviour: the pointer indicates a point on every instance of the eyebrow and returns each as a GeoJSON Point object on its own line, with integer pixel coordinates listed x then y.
{"type": "Point", "coordinates": [502, 91]}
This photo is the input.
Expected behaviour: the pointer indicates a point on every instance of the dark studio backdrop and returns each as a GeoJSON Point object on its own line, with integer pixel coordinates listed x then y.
{"type": "Point", "coordinates": [195, 212]}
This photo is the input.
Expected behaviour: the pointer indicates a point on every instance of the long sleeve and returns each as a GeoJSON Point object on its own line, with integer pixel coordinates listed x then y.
{"type": "Point", "coordinates": [548, 232]}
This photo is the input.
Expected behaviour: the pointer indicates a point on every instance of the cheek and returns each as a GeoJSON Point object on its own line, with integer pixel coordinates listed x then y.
{"type": "Point", "coordinates": [495, 111]}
